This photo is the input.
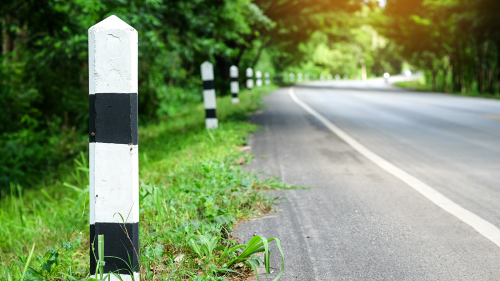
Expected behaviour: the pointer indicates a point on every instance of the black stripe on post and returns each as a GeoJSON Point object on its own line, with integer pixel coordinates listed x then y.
{"type": "Point", "coordinates": [91, 118]}
{"type": "Point", "coordinates": [210, 113]}
{"type": "Point", "coordinates": [121, 243]}
{"type": "Point", "coordinates": [208, 85]}
{"type": "Point", "coordinates": [113, 118]}
{"type": "Point", "coordinates": [93, 239]}
{"type": "Point", "coordinates": [235, 95]}
{"type": "Point", "coordinates": [234, 79]}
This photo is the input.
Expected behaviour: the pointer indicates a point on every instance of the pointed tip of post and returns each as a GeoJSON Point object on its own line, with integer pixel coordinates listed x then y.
{"type": "Point", "coordinates": [111, 22]}
{"type": "Point", "coordinates": [207, 71]}
{"type": "Point", "coordinates": [206, 63]}
{"type": "Point", "coordinates": [233, 71]}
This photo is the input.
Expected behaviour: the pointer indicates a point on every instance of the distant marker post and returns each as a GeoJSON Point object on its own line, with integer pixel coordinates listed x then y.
{"type": "Point", "coordinates": [386, 77]}
{"type": "Point", "coordinates": [235, 87]}
{"type": "Point", "coordinates": [249, 73]}
{"type": "Point", "coordinates": [207, 75]}
{"type": "Point", "coordinates": [267, 76]}
{"type": "Point", "coordinates": [258, 76]}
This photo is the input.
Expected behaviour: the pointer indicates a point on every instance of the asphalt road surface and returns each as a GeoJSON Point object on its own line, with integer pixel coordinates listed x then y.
{"type": "Point", "coordinates": [360, 222]}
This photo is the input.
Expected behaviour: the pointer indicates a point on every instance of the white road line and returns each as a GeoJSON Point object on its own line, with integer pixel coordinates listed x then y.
{"type": "Point", "coordinates": [482, 226]}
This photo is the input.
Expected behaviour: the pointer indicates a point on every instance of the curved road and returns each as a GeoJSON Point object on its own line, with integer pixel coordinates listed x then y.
{"type": "Point", "coordinates": [359, 222]}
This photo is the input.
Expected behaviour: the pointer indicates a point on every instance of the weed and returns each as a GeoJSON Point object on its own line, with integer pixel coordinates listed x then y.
{"type": "Point", "coordinates": [192, 190]}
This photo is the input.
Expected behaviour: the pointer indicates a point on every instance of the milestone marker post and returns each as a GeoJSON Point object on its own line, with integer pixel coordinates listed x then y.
{"type": "Point", "coordinates": [267, 78]}
{"type": "Point", "coordinates": [207, 75]}
{"type": "Point", "coordinates": [249, 78]}
{"type": "Point", "coordinates": [258, 75]}
{"type": "Point", "coordinates": [113, 147]}
{"type": "Point", "coordinates": [235, 87]}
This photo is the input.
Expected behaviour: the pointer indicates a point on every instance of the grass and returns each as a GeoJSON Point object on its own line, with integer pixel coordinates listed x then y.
{"type": "Point", "coordinates": [421, 85]}
{"type": "Point", "coordinates": [417, 85]}
{"type": "Point", "coordinates": [192, 191]}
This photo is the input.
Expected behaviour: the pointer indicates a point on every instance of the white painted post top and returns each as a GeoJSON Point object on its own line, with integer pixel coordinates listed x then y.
{"type": "Point", "coordinates": [113, 49]}
{"type": "Point", "coordinates": [258, 74]}
{"type": "Point", "coordinates": [233, 71]}
{"type": "Point", "coordinates": [266, 75]}
{"type": "Point", "coordinates": [207, 71]}
{"type": "Point", "coordinates": [291, 75]}
{"type": "Point", "coordinates": [249, 72]}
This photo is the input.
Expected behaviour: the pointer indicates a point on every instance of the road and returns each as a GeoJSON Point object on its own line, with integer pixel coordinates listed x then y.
{"type": "Point", "coordinates": [357, 221]}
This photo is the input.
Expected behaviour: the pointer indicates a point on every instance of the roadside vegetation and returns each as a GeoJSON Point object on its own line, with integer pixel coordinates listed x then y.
{"type": "Point", "coordinates": [421, 85]}
{"type": "Point", "coordinates": [455, 43]}
{"type": "Point", "coordinates": [193, 189]}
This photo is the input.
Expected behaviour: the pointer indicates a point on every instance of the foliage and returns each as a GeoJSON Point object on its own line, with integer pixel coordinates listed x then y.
{"type": "Point", "coordinates": [192, 191]}
{"type": "Point", "coordinates": [456, 43]}
{"type": "Point", "coordinates": [44, 71]}
{"type": "Point", "coordinates": [347, 45]}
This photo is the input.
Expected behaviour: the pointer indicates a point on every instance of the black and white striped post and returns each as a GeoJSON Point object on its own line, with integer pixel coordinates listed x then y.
{"type": "Point", "coordinates": [267, 76]}
{"type": "Point", "coordinates": [292, 77]}
{"type": "Point", "coordinates": [113, 147]}
{"type": "Point", "coordinates": [235, 87]}
{"type": "Point", "coordinates": [337, 77]}
{"type": "Point", "coordinates": [249, 78]}
{"type": "Point", "coordinates": [322, 77]}
{"type": "Point", "coordinates": [307, 77]}
{"type": "Point", "coordinates": [207, 75]}
{"type": "Point", "coordinates": [258, 76]}
{"type": "Point", "coordinates": [299, 77]}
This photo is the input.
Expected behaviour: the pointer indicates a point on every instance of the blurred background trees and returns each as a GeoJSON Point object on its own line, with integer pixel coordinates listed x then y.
{"type": "Point", "coordinates": [456, 43]}
{"type": "Point", "coordinates": [44, 72]}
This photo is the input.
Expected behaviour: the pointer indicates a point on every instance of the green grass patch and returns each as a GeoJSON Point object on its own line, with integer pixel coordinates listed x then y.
{"type": "Point", "coordinates": [192, 191]}
{"type": "Point", "coordinates": [421, 85]}
{"type": "Point", "coordinates": [417, 85]}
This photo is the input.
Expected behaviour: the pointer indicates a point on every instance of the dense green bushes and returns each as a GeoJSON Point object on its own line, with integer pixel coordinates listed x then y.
{"type": "Point", "coordinates": [455, 43]}
{"type": "Point", "coordinates": [44, 73]}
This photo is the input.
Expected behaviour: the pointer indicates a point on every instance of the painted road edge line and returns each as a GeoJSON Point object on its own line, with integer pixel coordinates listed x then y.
{"type": "Point", "coordinates": [482, 226]}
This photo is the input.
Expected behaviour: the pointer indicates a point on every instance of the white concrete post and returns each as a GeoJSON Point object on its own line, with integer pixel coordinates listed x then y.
{"type": "Point", "coordinates": [307, 76]}
{"type": "Point", "coordinates": [267, 76]}
{"type": "Point", "coordinates": [386, 77]}
{"type": "Point", "coordinates": [207, 75]}
{"type": "Point", "coordinates": [346, 77]}
{"type": "Point", "coordinates": [299, 77]}
{"type": "Point", "coordinates": [249, 78]}
{"type": "Point", "coordinates": [315, 77]}
{"type": "Point", "coordinates": [322, 77]}
{"type": "Point", "coordinates": [113, 147]}
{"type": "Point", "coordinates": [258, 75]}
{"type": "Point", "coordinates": [292, 77]}
{"type": "Point", "coordinates": [235, 87]}
{"type": "Point", "coordinates": [337, 77]}
{"type": "Point", "coordinates": [330, 77]}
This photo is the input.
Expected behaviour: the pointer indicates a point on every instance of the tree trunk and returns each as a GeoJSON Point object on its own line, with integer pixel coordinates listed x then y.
{"type": "Point", "coordinates": [259, 53]}
{"type": "Point", "coordinates": [8, 41]}
{"type": "Point", "coordinates": [434, 80]}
